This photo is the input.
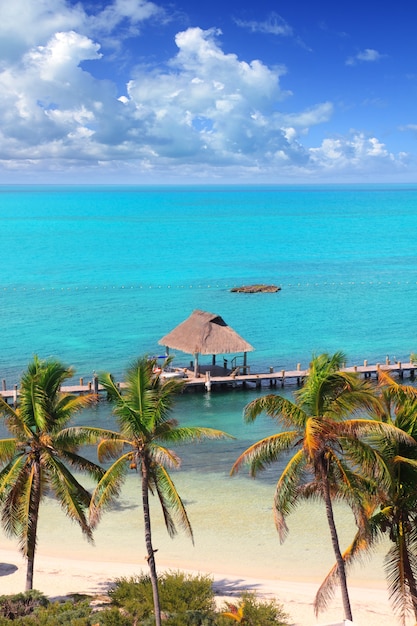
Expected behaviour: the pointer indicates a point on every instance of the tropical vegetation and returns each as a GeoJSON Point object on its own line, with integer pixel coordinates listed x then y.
{"type": "Point", "coordinates": [392, 515]}
{"type": "Point", "coordinates": [38, 459]}
{"type": "Point", "coordinates": [339, 437]}
{"type": "Point", "coordinates": [186, 600]}
{"type": "Point", "coordinates": [330, 453]}
{"type": "Point", "coordinates": [143, 409]}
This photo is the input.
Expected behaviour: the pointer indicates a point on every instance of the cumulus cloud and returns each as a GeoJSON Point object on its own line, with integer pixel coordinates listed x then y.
{"type": "Point", "coordinates": [204, 110]}
{"type": "Point", "coordinates": [357, 151]}
{"type": "Point", "coordinates": [365, 56]}
{"type": "Point", "coordinates": [273, 25]}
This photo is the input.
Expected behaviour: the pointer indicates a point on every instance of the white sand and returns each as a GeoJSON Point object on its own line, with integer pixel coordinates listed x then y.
{"type": "Point", "coordinates": [57, 577]}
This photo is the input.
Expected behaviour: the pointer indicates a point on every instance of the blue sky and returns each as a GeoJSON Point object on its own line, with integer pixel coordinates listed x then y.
{"type": "Point", "coordinates": [131, 91]}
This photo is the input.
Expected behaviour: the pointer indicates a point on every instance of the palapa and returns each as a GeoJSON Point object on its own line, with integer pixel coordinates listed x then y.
{"type": "Point", "coordinates": [205, 333]}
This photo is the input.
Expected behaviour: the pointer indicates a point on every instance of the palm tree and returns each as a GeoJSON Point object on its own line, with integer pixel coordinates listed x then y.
{"type": "Point", "coordinates": [143, 408]}
{"type": "Point", "coordinates": [36, 461]}
{"type": "Point", "coordinates": [394, 513]}
{"type": "Point", "coordinates": [329, 459]}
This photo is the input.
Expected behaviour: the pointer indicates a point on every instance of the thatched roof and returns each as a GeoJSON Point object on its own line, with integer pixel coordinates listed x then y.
{"type": "Point", "coordinates": [205, 333]}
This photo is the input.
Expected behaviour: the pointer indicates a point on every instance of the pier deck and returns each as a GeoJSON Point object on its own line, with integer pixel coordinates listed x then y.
{"type": "Point", "coordinates": [211, 379]}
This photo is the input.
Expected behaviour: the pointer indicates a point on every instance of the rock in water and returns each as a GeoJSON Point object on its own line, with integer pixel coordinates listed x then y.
{"type": "Point", "coordinates": [256, 289]}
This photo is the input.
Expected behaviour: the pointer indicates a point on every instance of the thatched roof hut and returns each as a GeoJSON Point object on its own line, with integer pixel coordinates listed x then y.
{"type": "Point", "coordinates": [205, 333]}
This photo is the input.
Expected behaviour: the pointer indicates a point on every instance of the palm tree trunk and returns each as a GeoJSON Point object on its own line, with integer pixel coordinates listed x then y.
{"type": "Point", "coordinates": [35, 498]}
{"type": "Point", "coordinates": [148, 541]}
{"type": "Point", "coordinates": [336, 548]}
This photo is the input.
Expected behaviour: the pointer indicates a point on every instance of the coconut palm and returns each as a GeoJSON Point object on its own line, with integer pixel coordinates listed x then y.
{"type": "Point", "coordinates": [37, 460]}
{"type": "Point", "coordinates": [329, 460]}
{"type": "Point", "coordinates": [143, 410]}
{"type": "Point", "coordinates": [394, 513]}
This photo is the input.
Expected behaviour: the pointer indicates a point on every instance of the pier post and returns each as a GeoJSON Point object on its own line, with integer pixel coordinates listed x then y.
{"type": "Point", "coordinates": [81, 382]}
{"type": "Point", "coordinates": [15, 396]}
{"type": "Point", "coordinates": [95, 384]}
{"type": "Point", "coordinates": [283, 377]}
{"type": "Point", "coordinates": [207, 384]}
{"type": "Point", "coordinates": [3, 384]}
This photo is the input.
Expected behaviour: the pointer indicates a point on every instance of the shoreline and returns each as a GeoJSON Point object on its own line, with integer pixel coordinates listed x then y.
{"type": "Point", "coordinates": [237, 553]}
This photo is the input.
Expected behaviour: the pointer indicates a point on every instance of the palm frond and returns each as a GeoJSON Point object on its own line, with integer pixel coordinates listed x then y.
{"type": "Point", "coordinates": [163, 456]}
{"type": "Point", "coordinates": [397, 582]}
{"type": "Point", "coordinates": [73, 498]}
{"type": "Point", "coordinates": [264, 452]}
{"type": "Point", "coordinates": [73, 437]}
{"type": "Point", "coordinates": [66, 406]}
{"type": "Point", "coordinates": [277, 407]}
{"type": "Point", "coordinates": [82, 464]}
{"type": "Point", "coordinates": [7, 449]}
{"type": "Point", "coordinates": [109, 449]}
{"type": "Point", "coordinates": [172, 505]}
{"type": "Point", "coordinates": [285, 497]}
{"type": "Point", "coordinates": [186, 434]}
{"type": "Point", "coordinates": [108, 488]}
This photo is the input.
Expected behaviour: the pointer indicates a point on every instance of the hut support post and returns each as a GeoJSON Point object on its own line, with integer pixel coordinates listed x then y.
{"type": "Point", "coordinates": [196, 365]}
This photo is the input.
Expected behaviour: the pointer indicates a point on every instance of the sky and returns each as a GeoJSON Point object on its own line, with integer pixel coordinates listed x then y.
{"type": "Point", "coordinates": [140, 92]}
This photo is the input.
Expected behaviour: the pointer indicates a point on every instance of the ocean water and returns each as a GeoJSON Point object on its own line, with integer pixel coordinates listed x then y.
{"type": "Point", "coordinates": [97, 275]}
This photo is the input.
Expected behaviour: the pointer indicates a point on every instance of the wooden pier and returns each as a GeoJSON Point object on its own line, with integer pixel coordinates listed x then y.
{"type": "Point", "coordinates": [217, 378]}
{"type": "Point", "coordinates": [209, 382]}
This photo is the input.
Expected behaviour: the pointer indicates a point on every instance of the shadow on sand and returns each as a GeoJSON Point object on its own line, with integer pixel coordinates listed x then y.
{"type": "Point", "coordinates": [7, 568]}
{"type": "Point", "coordinates": [226, 587]}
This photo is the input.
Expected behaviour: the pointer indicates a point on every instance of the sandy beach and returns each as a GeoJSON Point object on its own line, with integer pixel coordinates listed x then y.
{"type": "Point", "coordinates": [57, 577]}
{"type": "Point", "coordinates": [240, 552]}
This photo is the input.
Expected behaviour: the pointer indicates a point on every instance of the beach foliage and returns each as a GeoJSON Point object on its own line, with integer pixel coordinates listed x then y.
{"type": "Point", "coordinates": [186, 599]}
{"type": "Point", "coordinates": [38, 459]}
{"type": "Point", "coordinates": [394, 514]}
{"type": "Point", "coordinates": [331, 456]}
{"type": "Point", "coordinates": [21, 604]}
{"type": "Point", "coordinates": [143, 409]}
{"type": "Point", "coordinates": [251, 611]}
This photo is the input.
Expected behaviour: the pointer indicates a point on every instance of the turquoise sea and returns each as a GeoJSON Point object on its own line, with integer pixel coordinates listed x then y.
{"type": "Point", "coordinates": [97, 275]}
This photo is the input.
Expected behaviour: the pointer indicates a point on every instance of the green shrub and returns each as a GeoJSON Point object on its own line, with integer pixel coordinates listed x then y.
{"type": "Point", "coordinates": [186, 600]}
{"type": "Point", "coordinates": [112, 617]}
{"type": "Point", "coordinates": [70, 613]}
{"type": "Point", "coordinates": [254, 612]}
{"type": "Point", "coordinates": [21, 604]}
{"type": "Point", "coordinates": [134, 595]}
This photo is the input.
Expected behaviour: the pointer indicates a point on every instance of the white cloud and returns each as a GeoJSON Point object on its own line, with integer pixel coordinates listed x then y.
{"type": "Point", "coordinates": [131, 12]}
{"type": "Point", "coordinates": [273, 25]}
{"type": "Point", "coordinates": [406, 127]}
{"type": "Point", "coordinates": [59, 59]}
{"type": "Point", "coordinates": [368, 56]}
{"type": "Point", "coordinates": [310, 117]}
{"type": "Point", "coordinates": [357, 151]}
{"type": "Point", "coordinates": [204, 111]}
